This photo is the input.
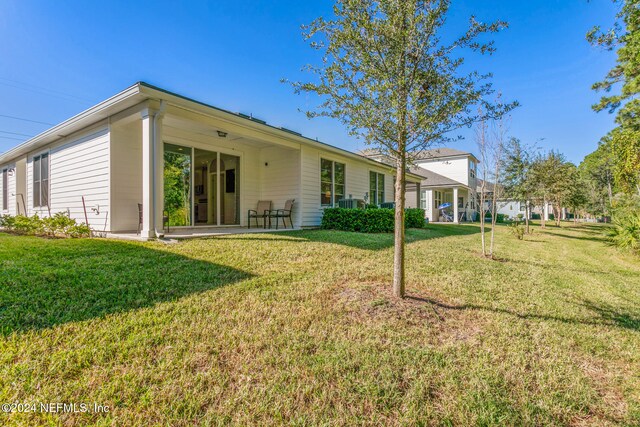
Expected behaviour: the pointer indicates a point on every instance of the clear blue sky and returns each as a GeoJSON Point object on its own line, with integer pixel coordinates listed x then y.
{"type": "Point", "coordinates": [58, 58]}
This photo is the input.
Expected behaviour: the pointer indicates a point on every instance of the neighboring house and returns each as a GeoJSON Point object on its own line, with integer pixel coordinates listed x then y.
{"type": "Point", "coordinates": [511, 208]}
{"type": "Point", "coordinates": [448, 175]}
{"type": "Point", "coordinates": [118, 153]}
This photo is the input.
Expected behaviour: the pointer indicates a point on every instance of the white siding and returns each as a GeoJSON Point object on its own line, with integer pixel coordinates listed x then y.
{"type": "Point", "coordinates": [126, 176]}
{"type": "Point", "coordinates": [357, 181]}
{"type": "Point", "coordinates": [77, 168]}
{"type": "Point", "coordinates": [510, 208]}
{"type": "Point", "coordinates": [453, 168]}
{"type": "Point", "coordinates": [11, 189]}
{"type": "Point", "coordinates": [280, 178]}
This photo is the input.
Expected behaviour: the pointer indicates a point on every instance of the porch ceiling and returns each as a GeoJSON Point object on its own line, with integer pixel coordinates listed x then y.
{"type": "Point", "coordinates": [178, 126]}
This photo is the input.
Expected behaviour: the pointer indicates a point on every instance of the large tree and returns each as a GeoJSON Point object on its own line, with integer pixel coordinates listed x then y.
{"type": "Point", "coordinates": [622, 87]}
{"type": "Point", "coordinates": [597, 172]}
{"type": "Point", "coordinates": [387, 74]}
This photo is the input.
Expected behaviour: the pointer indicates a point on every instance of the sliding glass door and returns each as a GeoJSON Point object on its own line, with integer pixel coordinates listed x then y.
{"type": "Point", "coordinates": [177, 184]}
{"type": "Point", "coordinates": [216, 188]}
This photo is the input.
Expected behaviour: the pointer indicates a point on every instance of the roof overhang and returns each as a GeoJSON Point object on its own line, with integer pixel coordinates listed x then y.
{"type": "Point", "coordinates": [142, 92]}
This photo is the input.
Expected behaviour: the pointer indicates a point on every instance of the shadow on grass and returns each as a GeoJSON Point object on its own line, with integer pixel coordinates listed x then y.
{"type": "Point", "coordinates": [604, 314]}
{"type": "Point", "coordinates": [597, 237]}
{"type": "Point", "coordinates": [368, 241]}
{"type": "Point", "coordinates": [44, 283]}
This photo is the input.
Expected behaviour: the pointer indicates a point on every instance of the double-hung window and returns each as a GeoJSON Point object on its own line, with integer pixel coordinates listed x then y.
{"type": "Point", "coordinates": [332, 182]}
{"type": "Point", "coordinates": [5, 190]}
{"type": "Point", "coordinates": [437, 198]}
{"type": "Point", "coordinates": [472, 169]}
{"type": "Point", "coordinates": [41, 180]}
{"type": "Point", "coordinates": [376, 188]}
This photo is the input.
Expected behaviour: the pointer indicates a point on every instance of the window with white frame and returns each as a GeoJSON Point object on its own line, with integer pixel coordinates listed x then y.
{"type": "Point", "coordinates": [5, 189]}
{"type": "Point", "coordinates": [472, 169]}
{"type": "Point", "coordinates": [332, 182]}
{"type": "Point", "coordinates": [437, 198]}
{"type": "Point", "coordinates": [376, 188]}
{"type": "Point", "coordinates": [41, 180]}
{"type": "Point", "coordinates": [423, 200]}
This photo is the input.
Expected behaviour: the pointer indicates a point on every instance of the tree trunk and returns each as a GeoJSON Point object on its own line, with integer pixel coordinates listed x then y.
{"type": "Point", "coordinates": [544, 210]}
{"type": "Point", "coordinates": [526, 217]}
{"type": "Point", "coordinates": [482, 213]}
{"type": "Point", "coordinates": [494, 220]}
{"type": "Point", "coordinates": [398, 253]}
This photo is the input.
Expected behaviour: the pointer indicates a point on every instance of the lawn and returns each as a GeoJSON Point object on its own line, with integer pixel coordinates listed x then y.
{"type": "Point", "coordinates": [300, 328]}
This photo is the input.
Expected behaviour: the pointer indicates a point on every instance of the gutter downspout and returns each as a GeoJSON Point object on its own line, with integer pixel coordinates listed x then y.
{"type": "Point", "coordinates": [156, 116]}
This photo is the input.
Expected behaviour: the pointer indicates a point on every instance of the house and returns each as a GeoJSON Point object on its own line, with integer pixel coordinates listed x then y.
{"type": "Point", "coordinates": [182, 161]}
{"type": "Point", "coordinates": [448, 176]}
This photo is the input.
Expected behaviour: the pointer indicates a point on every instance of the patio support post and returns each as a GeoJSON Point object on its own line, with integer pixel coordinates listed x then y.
{"type": "Point", "coordinates": [455, 205]}
{"type": "Point", "coordinates": [152, 173]}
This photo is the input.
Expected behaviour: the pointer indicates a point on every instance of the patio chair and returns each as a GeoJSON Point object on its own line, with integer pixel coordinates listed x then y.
{"type": "Point", "coordinates": [282, 213]}
{"type": "Point", "coordinates": [262, 211]}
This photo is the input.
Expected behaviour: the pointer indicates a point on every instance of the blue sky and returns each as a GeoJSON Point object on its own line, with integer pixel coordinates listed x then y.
{"type": "Point", "coordinates": [58, 58]}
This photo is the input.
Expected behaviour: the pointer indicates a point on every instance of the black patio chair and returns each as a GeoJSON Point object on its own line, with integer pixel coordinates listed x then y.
{"type": "Point", "coordinates": [282, 213]}
{"type": "Point", "coordinates": [261, 211]}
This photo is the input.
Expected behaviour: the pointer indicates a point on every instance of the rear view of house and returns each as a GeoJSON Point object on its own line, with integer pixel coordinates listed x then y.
{"type": "Point", "coordinates": [147, 158]}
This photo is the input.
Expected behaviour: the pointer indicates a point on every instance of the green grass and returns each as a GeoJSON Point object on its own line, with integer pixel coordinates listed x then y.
{"type": "Point", "coordinates": [300, 328]}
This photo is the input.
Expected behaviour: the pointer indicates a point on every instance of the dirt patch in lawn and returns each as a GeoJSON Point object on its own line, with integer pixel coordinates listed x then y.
{"type": "Point", "coordinates": [445, 324]}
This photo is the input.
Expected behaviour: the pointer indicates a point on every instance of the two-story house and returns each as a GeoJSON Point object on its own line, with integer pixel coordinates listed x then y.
{"type": "Point", "coordinates": [449, 176]}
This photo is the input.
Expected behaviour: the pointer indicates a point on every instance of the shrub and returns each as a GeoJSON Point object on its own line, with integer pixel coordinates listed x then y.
{"type": "Point", "coordinates": [500, 218]}
{"type": "Point", "coordinates": [625, 232]}
{"type": "Point", "coordinates": [28, 224]}
{"type": "Point", "coordinates": [517, 229]}
{"type": "Point", "coordinates": [58, 225]}
{"type": "Point", "coordinates": [78, 230]}
{"type": "Point", "coordinates": [371, 206]}
{"type": "Point", "coordinates": [377, 220]}
{"type": "Point", "coordinates": [414, 218]}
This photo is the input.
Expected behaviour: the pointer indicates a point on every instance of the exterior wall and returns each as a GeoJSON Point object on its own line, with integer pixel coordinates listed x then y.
{"type": "Point", "coordinates": [356, 181]}
{"type": "Point", "coordinates": [280, 178]}
{"type": "Point", "coordinates": [11, 189]}
{"type": "Point", "coordinates": [510, 208]}
{"type": "Point", "coordinates": [126, 176]}
{"type": "Point", "coordinates": [78, 166]}
{"type": "Point", "coordinates": [453, 168]}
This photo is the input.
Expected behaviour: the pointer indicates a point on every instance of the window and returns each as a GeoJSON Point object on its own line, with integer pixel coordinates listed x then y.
{"type": "Point", "coordinates": [332, 182]}
{"type": "Point", "coordinates": [41, 180]}
{"type": "Point", "coordinates": [376, 188]}
{"type": "Point", "coordinates": [461, 202]}
{"type": "Point", "coordinates": [423, 199]}
{"type": "Point", "coordinates": [437, 198]}
{"type": "Point", "coordinates": [472, 169]}
{"type": "Point", "coordinates": [5, 190]}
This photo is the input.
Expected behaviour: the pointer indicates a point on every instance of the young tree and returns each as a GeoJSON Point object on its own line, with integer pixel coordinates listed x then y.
{"type": "Point", "coordinates": [517, 182]}
{"type": "Point", "coordinates": [491, 148]}
{"type": "Point", "coordinates": [496, 164]}
{"type": "Point", "coordinates": [387, 75]}
{"type": "Point", "coordinates": [482, 141]}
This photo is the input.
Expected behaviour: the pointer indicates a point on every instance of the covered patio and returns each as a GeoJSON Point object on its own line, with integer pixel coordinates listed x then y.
{"type": "Point", "coordinates": [200, 173]}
